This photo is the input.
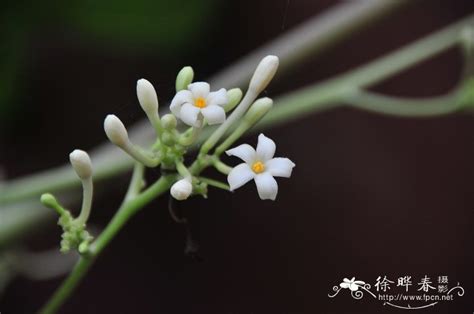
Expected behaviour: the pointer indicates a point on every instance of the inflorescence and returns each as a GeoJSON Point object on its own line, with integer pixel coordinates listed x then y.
{"type": "Point", "coordinates": [197, 107]}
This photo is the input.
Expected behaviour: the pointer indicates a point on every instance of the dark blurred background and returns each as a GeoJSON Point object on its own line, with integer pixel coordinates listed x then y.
{"type": "Point", "coordinates": [370, 195]}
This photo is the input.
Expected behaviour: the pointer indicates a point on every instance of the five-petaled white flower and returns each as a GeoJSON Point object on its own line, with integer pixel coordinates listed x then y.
{"type": "Point", "coordinates": [196, 102]}
{"type": "Point", "coordinates": [352, 284]}
{"type": "Point", "coordinates": [260, 166]}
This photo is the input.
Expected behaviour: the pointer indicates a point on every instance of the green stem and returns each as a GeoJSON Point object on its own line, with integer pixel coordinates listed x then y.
{"type": "Point", "coordinates": [297, 104]}
{"type": "Point", "coordinates": [128, 209]}
{"type": "Point", "coordinates": [182, 169]}
{"type": "Point", "coordinates": [330, 93]}
{"type": "Point", "coordinates": [221, 167]}
{"type": "Point", "coordinates": [125, 212]}
{"type": "Point", "coordinates": [311, 38]}
{"type": "Point", "coordinates": [137, 181]}
{"type": "Point", "coordinates": [214, 183]}
{"type": "Point", "coordinates": [68, 286]}
{"type": "Point", "coordinates": [405, 107]}
{"type": "Point", "coordinates": [189, 139]}
{"type": "Point", "coordinates": [87, 194]}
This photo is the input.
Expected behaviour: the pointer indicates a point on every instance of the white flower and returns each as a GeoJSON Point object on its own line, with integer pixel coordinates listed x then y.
{"type": "Point", "coordinates": [260, 166]}
{"type": "Point", "coordinates": [352, 284]}
{"type": "Point", "coordinates": [182, 189]}
{"type": "Point", "coordinates": [196, 102]}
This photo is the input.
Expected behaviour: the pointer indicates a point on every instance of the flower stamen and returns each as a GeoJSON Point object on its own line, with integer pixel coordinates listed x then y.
{"type": "Point", "coordinates": [258, 167]}
{"type": "Point", "coordinates": [200, 102]}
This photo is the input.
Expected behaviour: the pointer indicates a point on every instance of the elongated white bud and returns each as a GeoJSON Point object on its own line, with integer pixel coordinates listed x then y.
{"type": "Point", "coordinates": [264, 73]}
{"type": "Point", "coordinates": [262, 76]}
{"type": "Point", "coordinates": [147, 97]}
{"type": "Point", "coordinates": [116, 131]}
{"type": "Point", "coordinates": [182, 189]}
{"type": "Point", "coordinates": [118, 135]}
{"type": "Point", "coordinates": [257, 110]}
{"type": "Point", "coordinates": [81, 163]}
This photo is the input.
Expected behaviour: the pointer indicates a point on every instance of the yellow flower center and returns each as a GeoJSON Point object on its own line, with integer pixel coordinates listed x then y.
{"type": "Point", "coordinates": [258, 167]}
{"type": "Point", "coordinates": [200, 102]}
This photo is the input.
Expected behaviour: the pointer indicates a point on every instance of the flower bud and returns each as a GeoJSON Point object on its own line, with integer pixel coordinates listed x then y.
{"type": "Point", "coordinates": [184, 78]}
{"type": "Point", "coordinates": [264, 73]}
{"type": "Point", "coordinates": [258, 109]}
{"type": "Point", "coordinates": [168, 121]}
{"type": "Point", "coordinates": [50, 201]}
{"type": "Point", "coordinates": [182, 189]}
{"type": "Point", "coordinates": [234, 96]}
{"type": "Point", "coordinates": [83, 247]}
{"type": "Point", "coordinates": [147, 97]}
{"type": "Point", "coordinates": [81, 163]}
{"type": "Point", "coordinates": [115, 130]}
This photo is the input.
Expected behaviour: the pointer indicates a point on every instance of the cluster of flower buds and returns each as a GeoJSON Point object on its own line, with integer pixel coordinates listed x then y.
{"type": "Point", "coordinates": [75, 236]}
{"type": "Point", "coordinates": [196, 106]}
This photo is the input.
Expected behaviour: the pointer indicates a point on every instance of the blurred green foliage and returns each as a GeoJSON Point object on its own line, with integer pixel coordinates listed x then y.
{"type": "Point", "coordinates": [142, 27]}
{"type": "Point", "coordinates": [167, 25]}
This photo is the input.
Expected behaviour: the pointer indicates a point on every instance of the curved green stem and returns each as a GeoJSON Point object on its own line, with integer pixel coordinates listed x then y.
{"type": "Point", "coordinates": [68, 285]}
{"type": "Point", "coordinates": [189, 139]}
{"type": "Point", "coordinates": [137, 182]}
{"type": "Point", "coordinates": [214, 183]}
{"type": "Point", "coordinates": [291, 106]}
{"type": "Point", "coordinates": [125, 212]}
{"type": "Point", "coordinates": [221, 167]}
{"type": "Point", "coordinates": [87, 194]}
{"type": "Point", "coordinates": [330, 93]}
{"type": "Point", "coordinates": [318, 97]}
{"type": "Point", "coordinates": [182, 169]}
{"type": "Point", "coordinates": [405, 107]}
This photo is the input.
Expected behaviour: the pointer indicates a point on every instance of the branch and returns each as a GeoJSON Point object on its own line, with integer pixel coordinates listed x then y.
{"type": "Point", "coordinates": [314, 98]}
{"type": "Point", "coordinates": [406, 107]}
{"type": "Point", "coordinates": [125, 212]}
{"type": "Point", "coordinates": [312, 37]}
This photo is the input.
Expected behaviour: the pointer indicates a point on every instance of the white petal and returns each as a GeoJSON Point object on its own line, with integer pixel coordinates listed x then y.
{"type": "Point", "coordinates": [244, 152]}
{"type": "Point", "coordinates": [189, 114]}
{"type": "Point", "coordinates": [199, 89]}
{"type": "Point", "coordinates": [213, 114]}
{"type": "Point", "coordinates": [179, 99]}
{"type": "Point", "coordinates": [217, 98]}
{"type": "Point", "coordinates": [344, 285]}
{"type": "Point", "coordinates": [267, 186]}
{"type": "Point", "coordinates": [347, 280]}
{"type": "Point", "coordinates": [359, 282]}
{"type": "Point", "coordinates": [353, 287]}
{"type": "Point", "coordinates": [279, 167]}
{"type": "Point", "coordinates": [265, 148]}
{"type": "Point", "coordinates": [239, 175]}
